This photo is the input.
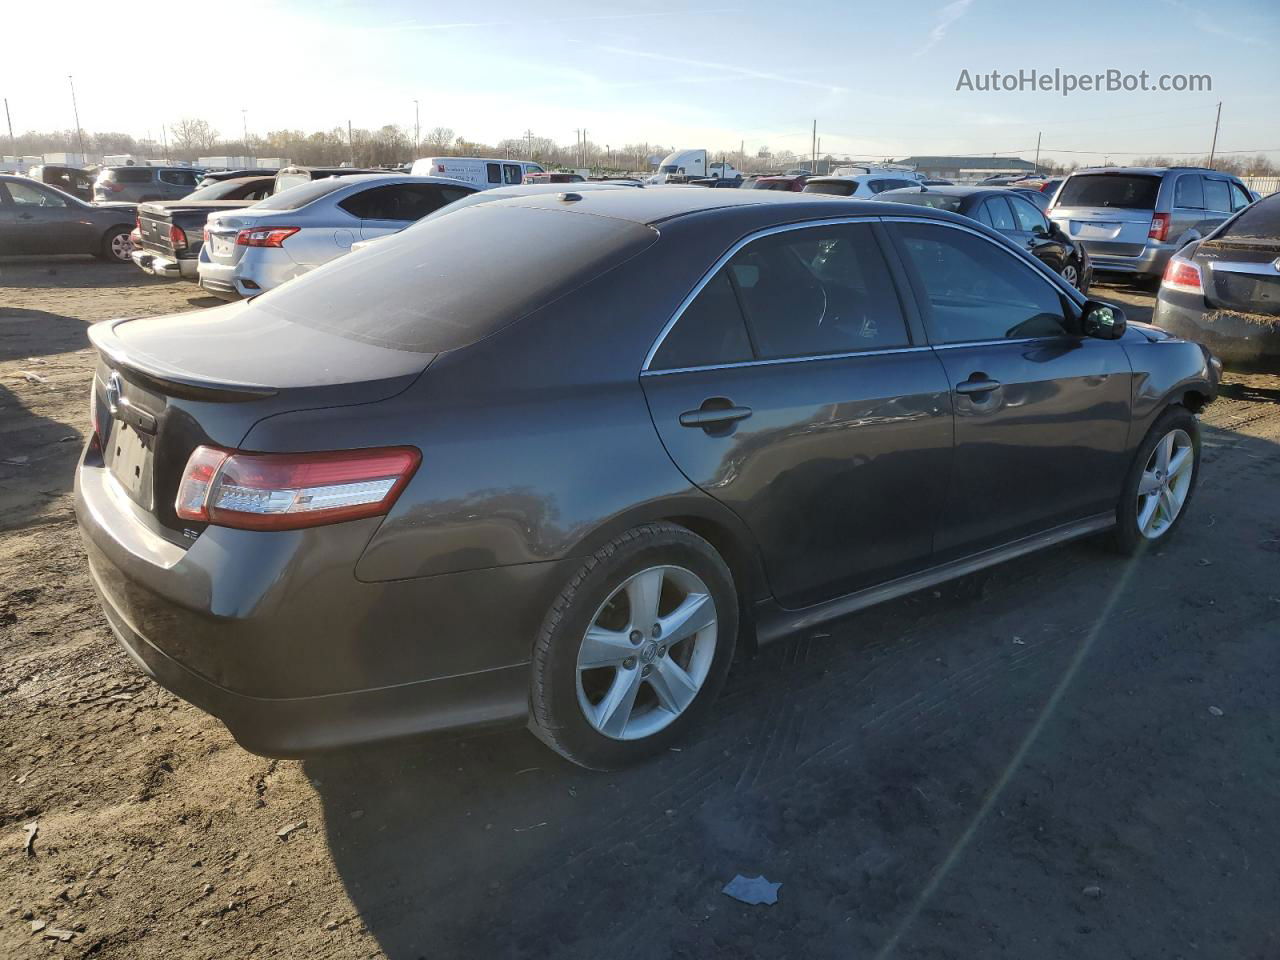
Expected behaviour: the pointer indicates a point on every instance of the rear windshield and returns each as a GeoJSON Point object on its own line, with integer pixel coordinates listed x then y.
{"type": "Point", "coordinates": [1131, 191]}
{"type": "Point", "coordinates": [214, 191]}
{"type": "Point", "coordinates": [939, 201]}
{"type": "Point", "coordinates": [452, 281]}
{"type": "Point", "coordinates": [131, 175]}
{"type": "Point", "coordinates": [306, 191]}
{"type": "Point", "coordinates": [1258, 223]}
{"type": "Point", "coordinates": [832, 189]}
{"type": "Point", "coordinates": [773, 184]}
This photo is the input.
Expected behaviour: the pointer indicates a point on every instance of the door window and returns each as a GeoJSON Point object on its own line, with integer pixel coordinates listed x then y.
{"type": "Point", "coordinates": [1216, 195]}
{"type": "Point", "coordinates": [1187, 192]}
{"type": "Point", "coordinates": [405, 202]}
{"type": "Point", "coordinates": [822, 290]}
{"type": "Point", "coordinates": [493, 172]}
{"type": "Point", "coordinates": [1001, 216]}
{"type": "Point", "coordinates": [975, 291]}
{"type": "Point", "coordinates": [511, 173]}
{"type": "Point", "coordinates": [178, 178]}
{"type": "Point", "coordinates": [710, 331]}
{"type": "Point", "coordinates": [27, 195]}
{"type": "Point", "coordinates": [1239, 199]}
{"type": "Point", "coordinates": [1029, 218]}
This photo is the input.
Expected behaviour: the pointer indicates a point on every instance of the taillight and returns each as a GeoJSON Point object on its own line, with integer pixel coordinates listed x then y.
{"type": "Point", "coordinates": [205, 236]}
{"type": "Point", "coordinates": [177, 237]}
{"type": "Point", "coordinates": [1183, 276]}
{"type": "Point", "coordinates": [265, 236]}
{"type": "Point", "coordinates": [1159, 227]}
{"type": "Point", "coordinates": [137, 224]}
{"type": "Point", "coordinates": [285, 491]}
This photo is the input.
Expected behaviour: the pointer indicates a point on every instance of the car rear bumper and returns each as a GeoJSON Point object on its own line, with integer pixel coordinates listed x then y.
{"type": "Point", "coordinates": [158, 265]}
{"type": "Point", "coordinates": [1232, 337]}
{"type": "Point", "coordinates": [273, 634]}
{"type": "Point", "coordinates": [1150, 263]}
{"type": "Point", "coordinates": [257, 271]}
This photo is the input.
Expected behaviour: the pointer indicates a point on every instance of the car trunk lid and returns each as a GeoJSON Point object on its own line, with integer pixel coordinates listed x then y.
{"type": "Point", "coordinates": [166, 385]}
{"type": "Point", "coordinates": [1242, 274]}
{"type": "Point", "coordinates": [223, 227]}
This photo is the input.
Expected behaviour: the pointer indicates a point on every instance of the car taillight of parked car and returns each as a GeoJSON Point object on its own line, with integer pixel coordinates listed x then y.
{"type": "Point", "coordinates": [265, 236]}
{"type": "Point", "coordinates": [1159, 227]}
{"type": "Point", "coordinates": [286, 491]}
{"type": "Point", "coordinates": [1183, 276]}
{"type": "Point", "coordinates": [177, 237]}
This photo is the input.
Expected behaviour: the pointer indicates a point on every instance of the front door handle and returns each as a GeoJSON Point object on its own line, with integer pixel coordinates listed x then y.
{"type": "Point", "coordinates": [714, 412]}
{"type": "Point", "coordinates": [976, 384]}
{"type": "Point", "coordinates": [26, 216]}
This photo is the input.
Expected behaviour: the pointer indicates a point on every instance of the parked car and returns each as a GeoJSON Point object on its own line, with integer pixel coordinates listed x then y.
{"type": "Point", "coordinates": [214, 176]}
{"type": "Point", "coordinates": [289, 177]}
{"type": "Point", "coordinates": [483, 173]}
{"type": "Point", "coordinates": [554, 176]}
{"type": "Point", "coordinates": [1133, 219]}
{"type": "Point", "coordinates": [76, 181]}
{"type": "Point", "coordinates": [931, 182]}
{"type": "Point", "coordinates": [249, 251]}
{"type": "Point", "coordinates": [170, 233]}
{"type": "Point", "coordinates": [1011, 214]}
{"type": "Point", "coordinates": [136, 184]}
{"type": "Point", "coordinates": [429, 498]}
{"type": "Point", "coordinates": [1224, 290]}
{"type": "Point", "coordinates": [864, 186]}
{"type": "Point", "coordinates": [788, 182]}
{"type": "Point", "coordinates": [37, 218]}
{"type": "Point", "coordinates": [1035, 195]}
{"type": "Point", "coordinates": [1050, 186]}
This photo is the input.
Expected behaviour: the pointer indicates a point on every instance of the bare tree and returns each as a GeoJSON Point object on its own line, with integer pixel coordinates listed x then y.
{"type": "Point", "coordinates": [439, 139]}
{"type": "Point", "coordinates": [193, 136]}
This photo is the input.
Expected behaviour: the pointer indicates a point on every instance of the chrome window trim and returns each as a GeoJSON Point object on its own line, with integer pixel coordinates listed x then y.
{"type": "Point", "coordinates": [725, 258]}
{"type": "Point", "coordinates": [777, 360]}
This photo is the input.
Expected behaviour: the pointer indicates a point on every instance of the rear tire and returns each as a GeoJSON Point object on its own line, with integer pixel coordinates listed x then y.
{"type": "Point", "coordinates": [1160, 483]}
{"type": "Point", "coordinates": [635, 648]}
{"type": "Point", "coordinates": [116, 246]}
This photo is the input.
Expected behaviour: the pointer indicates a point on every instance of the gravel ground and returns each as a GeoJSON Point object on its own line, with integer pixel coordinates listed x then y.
{"type": "Point", "coordinates": [1075, 756]}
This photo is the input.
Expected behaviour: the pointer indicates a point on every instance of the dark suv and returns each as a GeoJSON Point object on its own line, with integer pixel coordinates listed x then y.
{"type": "Point", "coordinates": [136, 184]}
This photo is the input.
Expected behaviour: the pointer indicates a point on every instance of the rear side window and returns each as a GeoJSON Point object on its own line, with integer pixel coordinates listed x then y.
{"type": "Point", "coordinates": [975, 291]}
{"type": "Point", "coordinates": [831, 188]}
{"type": "Point", "coordinates": [511, 173]}
{"type": "Point", "coordinates": [405, 202]}
{"type": "Point", "coordinates": [1239, 199]}
{"type": "Point", "coordinates": [1030, 220]}
{"type": "Point", "coordinates": [132, 175]}
{"type": "Point", "coordinates": [1187, 192]}
{"type": "Point", "coordinates": [1001, 217]}
{"type": "Point", "coordinates": [493, 172]}
{"type": "Point", "coordinates": [710, 331]}
{"type": "Point", "coordinates": [1216, 195]}
{"type": "Point", "coordinates": [1130, 191]}
{"type": "Point", "coordinates": [817, 291]}
{"type": "Point", "coordinates": [178, 178]}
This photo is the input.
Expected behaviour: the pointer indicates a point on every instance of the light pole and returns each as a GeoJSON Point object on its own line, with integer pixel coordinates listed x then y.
{"type": "Point", "coordinates": [417, 128]}
{"type": "Point", "coordinates": [76, 110]}
{"type": "Point", "coordinates": [244, 125]}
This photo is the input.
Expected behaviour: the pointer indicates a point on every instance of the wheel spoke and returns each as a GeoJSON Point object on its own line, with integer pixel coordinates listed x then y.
{"type": "Point", "coordinates": [1169, 505]}
{"type": "Point", "coordinates": [644, 591]}
{"type": "Point", "coordinates": [1163, 452]}
{"type": "Point", "coordinates": [604, 648]}
{"type": "Point", "coordinates": [1148, 512]}
{"type": "Point", "coordinates": [1180, 462]}
{"type": "Point", "coordinates": [1149, 484]}
{"type": "Point", "coordinates": [696, 613]}
{"type": "Point", "coordinates": [673, 686]}
{"type": "Point", "coordinates": [613, 712]}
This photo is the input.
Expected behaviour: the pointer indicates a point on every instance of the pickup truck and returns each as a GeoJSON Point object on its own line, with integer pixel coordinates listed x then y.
{"type": "Point", "coordinates": [170, 232]}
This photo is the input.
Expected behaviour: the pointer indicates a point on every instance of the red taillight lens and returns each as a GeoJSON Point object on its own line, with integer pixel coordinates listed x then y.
{"type": "Point", "coordinates": [285, 491]}
{"type": "Point", "coordinates": [1159, 227]}
{"type": "Point", "coordinates": [177, 237]}
{"type": "Point", "coordinates": [137, 224]}
{"type": "Point", "coordinates": [265, 236]}
{"type": "Point", "coordinates": [1182, 275]}
{"type": "Point", "coordinates": [205, 236]}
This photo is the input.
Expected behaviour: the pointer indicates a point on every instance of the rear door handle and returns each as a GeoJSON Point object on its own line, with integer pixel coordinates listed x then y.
{"type": "Point", "coordinates": [977, 383]}
{"type": "Point", "coordinates": [713, 412]}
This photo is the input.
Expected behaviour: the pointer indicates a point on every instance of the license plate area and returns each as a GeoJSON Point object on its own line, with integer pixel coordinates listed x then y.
{"type": "Point", "coordinates": [129, 459]}
{"type": "Point", "coordinates": [222, 246]}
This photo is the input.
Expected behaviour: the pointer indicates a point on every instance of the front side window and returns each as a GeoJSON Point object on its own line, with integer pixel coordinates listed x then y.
{"type": "Point", "coordinates": [1030, 220]}
{"type": "Point", "coordinates": [1187, 192]}
{"type": "Point", "coordinates": [493, 172]}
{"type": "Point", "coordinates": [26, 195]}
{"type": "Point", "coordinates": [511, 173]}
{"type": "Point", "coordinates": [178, 178]}
{"type": "Point", "coordinates": [975, 291]}
{"type": "Point", "coordinates": [1216, 196]}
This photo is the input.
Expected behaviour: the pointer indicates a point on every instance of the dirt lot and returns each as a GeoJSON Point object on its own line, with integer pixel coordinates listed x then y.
{"type": "Point", "coordinates": [1078, 758]}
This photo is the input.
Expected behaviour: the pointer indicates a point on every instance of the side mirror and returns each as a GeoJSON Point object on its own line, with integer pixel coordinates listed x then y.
{"type": "Point", "coordinates": [1102, 320]}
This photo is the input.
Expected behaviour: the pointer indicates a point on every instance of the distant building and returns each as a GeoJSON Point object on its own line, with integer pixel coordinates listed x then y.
{"type": "Point", "coordinates": [968, 168]}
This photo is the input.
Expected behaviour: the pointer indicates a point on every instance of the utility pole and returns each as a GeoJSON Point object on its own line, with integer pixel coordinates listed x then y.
{"type": "Point", "coordinates": [813, 168]}
{"type": "Point", "coordinates": [76, 110]}
{"type": "Point", "coordinates": [528, 143]}
{"type": "Point", "coordinates": [164, 139]}
{"type": "Point", "coordinates": [1214, 148]}
{"type": "Point", "coordinates": [13, 141]}
{"type": "Point", "coordinates": [351, 145]}
{"type": "Point", "coordinates": [1037, 151]}
{"type": "Point", "coordinates": [417, 127]}
{"type": "Point", "coordinates": [817, 153]}
{"type": "Point", "coordinates": [244, 126]}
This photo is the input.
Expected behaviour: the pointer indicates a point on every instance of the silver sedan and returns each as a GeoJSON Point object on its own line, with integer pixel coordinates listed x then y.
{"type": "Point", "coordinates": [252, 250]}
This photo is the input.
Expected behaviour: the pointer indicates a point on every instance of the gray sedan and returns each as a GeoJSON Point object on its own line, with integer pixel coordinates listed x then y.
{"type": "Point", "coordinates": [37, 218]}
{"type": "Point", "coordinates": [558, 458]}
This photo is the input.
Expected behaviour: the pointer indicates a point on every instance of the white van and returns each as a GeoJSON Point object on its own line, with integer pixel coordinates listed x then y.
{"type": "Point", "coordinates": [481, 172]}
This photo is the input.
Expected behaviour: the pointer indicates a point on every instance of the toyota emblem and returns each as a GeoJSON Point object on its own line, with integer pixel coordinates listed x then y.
{"type": "Point", "coordinates": [114, 387]}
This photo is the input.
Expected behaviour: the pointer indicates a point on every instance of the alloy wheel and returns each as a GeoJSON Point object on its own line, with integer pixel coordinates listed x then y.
{"type": "Point", "coordinates": [1071, 275]}
{"type": "Point", "coordinates": [121, 246]}
{"type": "Point", "coordinates": [1165, 483]}
{"type": "Point", "coordinates": [647, 653]}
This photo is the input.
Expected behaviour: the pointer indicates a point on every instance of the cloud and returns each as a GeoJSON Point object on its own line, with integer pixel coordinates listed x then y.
{"type": "Point", "coordinates": [744, 72]}
{"type": "Point", "coordinates": [946, 17]}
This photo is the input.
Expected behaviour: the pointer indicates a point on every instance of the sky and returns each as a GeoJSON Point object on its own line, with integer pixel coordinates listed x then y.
{"type": "Point", "coordinates": [879, 78]}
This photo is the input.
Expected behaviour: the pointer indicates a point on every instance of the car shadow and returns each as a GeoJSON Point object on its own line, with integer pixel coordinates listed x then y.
{"type": "Point", "coordinates": [37, 451]}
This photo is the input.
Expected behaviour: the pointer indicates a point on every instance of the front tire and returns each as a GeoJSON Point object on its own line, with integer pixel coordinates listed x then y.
{"type": "Point", "coordinates": [635, 648]}
{"type": "Point", "coordinates": [116, 246]}
{"type": "Point", "coordinates": [1160, 483]}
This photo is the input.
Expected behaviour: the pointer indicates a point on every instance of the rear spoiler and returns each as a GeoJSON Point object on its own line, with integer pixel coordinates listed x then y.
{"type": "Point", "coordinates": [164, 378]}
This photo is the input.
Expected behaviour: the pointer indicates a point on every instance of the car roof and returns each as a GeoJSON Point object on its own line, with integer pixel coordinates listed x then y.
{"type": "Point", "coordinates": [1149, 171]}
{"type": "Point", "coordinates": [952, 190]}
{"type": "Point", "coordinates": [360, 179]}
{"type": "Point", "coordinates": [656, 204]}
{"type": "Point", "coordinates": [862, 177]}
